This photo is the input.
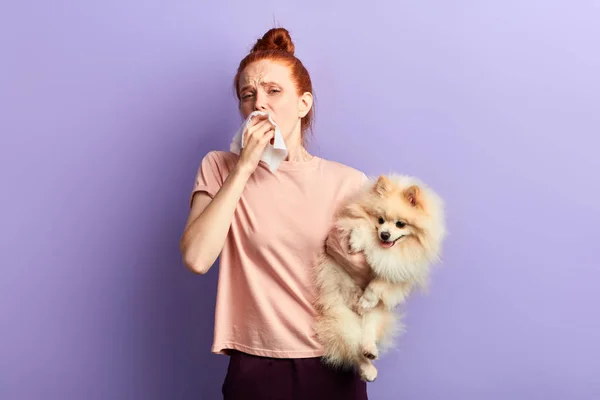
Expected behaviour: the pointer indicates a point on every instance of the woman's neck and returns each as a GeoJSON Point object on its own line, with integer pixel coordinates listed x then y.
{"type": "Point", "coordinates": [297, 152]}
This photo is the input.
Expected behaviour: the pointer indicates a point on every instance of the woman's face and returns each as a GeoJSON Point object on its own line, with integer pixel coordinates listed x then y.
{"type": "Point", "coordinates": [267, 86]}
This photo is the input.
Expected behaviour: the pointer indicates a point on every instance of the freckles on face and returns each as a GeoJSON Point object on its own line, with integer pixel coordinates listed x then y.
{"type": "Point", "coordinates": [251, 78]}
{"type": "Point", "coordinates": [268, 86]}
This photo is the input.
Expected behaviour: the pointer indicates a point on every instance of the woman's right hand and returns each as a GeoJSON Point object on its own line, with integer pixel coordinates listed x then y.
{"type": "Point", "coordinates": [260, 132]}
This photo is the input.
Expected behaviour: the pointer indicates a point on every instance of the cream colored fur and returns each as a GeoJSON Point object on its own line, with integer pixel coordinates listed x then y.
{"type": "Point", "coordinates": [355, 325]}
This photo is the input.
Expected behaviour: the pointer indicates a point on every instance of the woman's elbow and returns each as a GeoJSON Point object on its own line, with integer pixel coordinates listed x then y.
{"type": "Point", "coordinates": [194, 262]}
{"type": "Point", "coordinates": [196, 267]}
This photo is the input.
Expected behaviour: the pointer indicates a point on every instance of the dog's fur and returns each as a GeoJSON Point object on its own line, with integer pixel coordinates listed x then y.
{"type": "Point", "coordinates": [398, 222]}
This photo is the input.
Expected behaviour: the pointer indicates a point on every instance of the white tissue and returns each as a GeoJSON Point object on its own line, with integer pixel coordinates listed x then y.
{"type": "Point", "coordinates": [273, 154]}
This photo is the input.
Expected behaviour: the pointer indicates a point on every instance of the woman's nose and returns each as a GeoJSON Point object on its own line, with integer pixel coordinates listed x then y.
{"type": "Point", "coordinates": [260, 104]}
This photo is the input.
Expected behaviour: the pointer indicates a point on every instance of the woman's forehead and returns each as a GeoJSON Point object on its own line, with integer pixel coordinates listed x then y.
{"type": "Point", "coordinates": [262, 72]}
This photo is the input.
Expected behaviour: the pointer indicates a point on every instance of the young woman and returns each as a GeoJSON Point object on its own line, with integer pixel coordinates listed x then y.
{"type": "Point", "coordinates": [268, 229]}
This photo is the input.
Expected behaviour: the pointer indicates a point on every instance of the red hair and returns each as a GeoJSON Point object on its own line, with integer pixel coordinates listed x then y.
{"type": "Point", "coordinates": [276, 45]}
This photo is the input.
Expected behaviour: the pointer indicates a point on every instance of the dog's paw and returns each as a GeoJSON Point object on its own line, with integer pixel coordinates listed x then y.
{"type": "Point", "coordinates": [360, 238]}
{"type": "Point", "coordinates": [367, 302]}
{"type": "Point", "coordinates": [370, 351]}
{"type": "Point", "coordinates": [355, 244]}
{"type": "Point", "coordinates": [368, 372]}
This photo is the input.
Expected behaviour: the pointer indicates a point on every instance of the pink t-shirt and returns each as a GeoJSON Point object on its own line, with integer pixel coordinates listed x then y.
{"type": "Point", "coordinates": [265, 290]}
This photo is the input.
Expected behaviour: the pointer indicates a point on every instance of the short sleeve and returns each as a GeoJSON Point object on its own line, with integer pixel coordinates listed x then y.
{"type": "Point", "coordinates": [363, 179]}
{"type": "Point", "coordinates": [209, 177]}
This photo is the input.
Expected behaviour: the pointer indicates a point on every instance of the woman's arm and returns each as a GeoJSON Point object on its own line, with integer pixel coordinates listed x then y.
{"type": "Point", "coordinates": [209, 219]}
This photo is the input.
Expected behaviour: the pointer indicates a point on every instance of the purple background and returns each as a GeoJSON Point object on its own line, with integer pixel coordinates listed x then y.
{"type": "Point", "coordinates": [108, 107]}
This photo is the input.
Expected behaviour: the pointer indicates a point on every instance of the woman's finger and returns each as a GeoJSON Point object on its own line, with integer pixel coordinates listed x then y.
{"type": "Point", "coordinates": [253, 129]}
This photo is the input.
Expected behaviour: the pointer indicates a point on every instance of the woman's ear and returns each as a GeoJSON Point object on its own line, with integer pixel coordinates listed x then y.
{"type": "Point", "coordinates": [305, 104]}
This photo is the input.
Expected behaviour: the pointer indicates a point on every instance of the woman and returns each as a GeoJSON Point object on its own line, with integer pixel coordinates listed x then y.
{"type": "Point", "coordinates": [268, 229]}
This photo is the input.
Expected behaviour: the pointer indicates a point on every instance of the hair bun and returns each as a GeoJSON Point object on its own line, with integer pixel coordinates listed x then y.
{"type": "Point", "coordinates": [275, 39]}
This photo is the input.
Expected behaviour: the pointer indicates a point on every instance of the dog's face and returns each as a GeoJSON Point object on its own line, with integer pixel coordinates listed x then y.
{"type": "Point", "coordinates": [392, 230]}
{"type": "Point", "coordinates": [406, 219]}
{"type": "Point", "coordinates": [399, 212]}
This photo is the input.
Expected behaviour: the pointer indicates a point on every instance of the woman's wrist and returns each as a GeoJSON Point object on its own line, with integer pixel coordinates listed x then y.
{"type": "Point", "coordinates": [242, 172]}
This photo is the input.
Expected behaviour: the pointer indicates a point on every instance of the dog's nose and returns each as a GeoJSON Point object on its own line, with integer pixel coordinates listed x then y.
{"type": "Point", "coordinates": [384, 235]}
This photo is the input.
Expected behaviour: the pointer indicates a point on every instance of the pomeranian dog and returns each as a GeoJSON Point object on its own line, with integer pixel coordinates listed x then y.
{"type": "Point", "coordinates": [398, 222]}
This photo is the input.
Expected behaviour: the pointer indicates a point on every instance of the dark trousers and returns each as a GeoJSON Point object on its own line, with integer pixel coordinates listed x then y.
{"type": "Point", "coordinates": [251, 377]}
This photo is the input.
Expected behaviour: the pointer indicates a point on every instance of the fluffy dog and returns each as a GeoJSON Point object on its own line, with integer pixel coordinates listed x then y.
{"type": "Point", "coordinates": [398, 222]}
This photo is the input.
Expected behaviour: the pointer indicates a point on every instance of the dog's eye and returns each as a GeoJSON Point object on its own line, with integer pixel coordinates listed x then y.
{"type": "Point", "coordinates": [381, 221]}
{"type": "Point", "coordinates": [401, 224]}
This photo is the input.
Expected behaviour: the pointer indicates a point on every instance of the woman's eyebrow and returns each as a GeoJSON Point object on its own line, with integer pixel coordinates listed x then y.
{"type": "Point", "coordinates": [269, 84]}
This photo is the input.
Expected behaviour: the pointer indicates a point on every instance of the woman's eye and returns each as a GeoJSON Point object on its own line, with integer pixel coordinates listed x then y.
{"type": "Point", "coordinates": [400, 224]}
{"type": "Point", "coordinates": [274, 91]}
{"type": "Point", "coordinates": [381, 221]}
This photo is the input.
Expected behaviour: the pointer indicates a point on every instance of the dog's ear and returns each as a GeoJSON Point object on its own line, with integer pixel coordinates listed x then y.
{"type": "Point", "coordinates": [412, 195]}
{"type": "Point", "coordinates": [382, 185]}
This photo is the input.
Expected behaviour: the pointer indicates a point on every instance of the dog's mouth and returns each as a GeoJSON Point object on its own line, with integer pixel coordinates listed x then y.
{"type": "Point", "coordinates": [386, 244]}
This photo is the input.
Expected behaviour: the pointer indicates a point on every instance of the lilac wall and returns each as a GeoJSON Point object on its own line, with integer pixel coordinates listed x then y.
{"type": "Point", "coordinates": [107, 108]}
